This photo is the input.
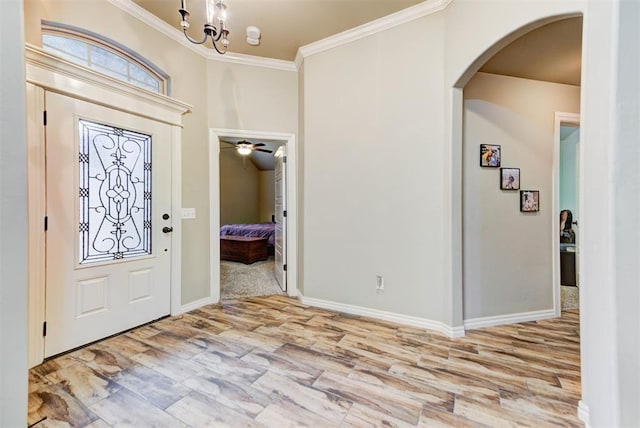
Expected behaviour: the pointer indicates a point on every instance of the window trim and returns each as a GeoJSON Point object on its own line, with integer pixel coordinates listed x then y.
{"type": "Point", "coordinates": [89, 37]}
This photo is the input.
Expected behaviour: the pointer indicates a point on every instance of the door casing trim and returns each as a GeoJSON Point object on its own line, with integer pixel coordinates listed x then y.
{"type": "Point", "coordinates": [54, 74]}
{"type": "Point", "coordinates": [561, 118]}
{"type": "Point", "coordinates": [215, 135]}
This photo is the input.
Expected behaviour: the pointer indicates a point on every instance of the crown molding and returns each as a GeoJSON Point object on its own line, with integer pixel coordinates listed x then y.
{"type": "Point", "coordinates": [299, 59]}
{"type": "Point", "coordinates": [425, 8]}
{"type": "Point", "coordinates": [256, 61]}
{"type": "Point", "coordinates": [176, 35]}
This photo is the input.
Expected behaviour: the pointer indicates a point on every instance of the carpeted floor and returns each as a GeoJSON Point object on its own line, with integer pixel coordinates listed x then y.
{"type": "Point", "coordinates": [238, 280]}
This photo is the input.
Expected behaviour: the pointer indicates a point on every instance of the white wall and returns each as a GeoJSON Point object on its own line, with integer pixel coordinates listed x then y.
{"type": "Point", "coordinates": [247, 194]}
{"type": "Point", "coordinates": [13, 215]}
{"type": "Point", "coordinates": [508, 257]}
{"type": "Point", "coordinates": [373, 171]}
{"type": "Point", "coordinates": [569, 153]}
{"type": "Point", "coordinates": [266, 180]}
{"type": "Point", "coordinates": [245, 98]}
{"type": "Point", "coordinates": [627, 209]}
{"type": "Point", "coordinates": [239, 189]}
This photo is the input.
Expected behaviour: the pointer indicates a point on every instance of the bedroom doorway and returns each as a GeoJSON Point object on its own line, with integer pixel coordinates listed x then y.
{"type": "Point", "coordinates": [252, 239]}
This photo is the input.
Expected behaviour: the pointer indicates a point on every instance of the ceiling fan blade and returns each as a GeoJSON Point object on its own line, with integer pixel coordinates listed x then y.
{"type": "Point", "coordinates": [263, 150]}
{"type": "Point", "coordinates": [258, 144]}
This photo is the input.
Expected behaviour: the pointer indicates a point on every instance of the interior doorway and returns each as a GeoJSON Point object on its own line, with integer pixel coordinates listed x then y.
{"type": "Point", "coordinates": [251, 222]}
{"type": "Point", "coordinates": [257, 253]}
{"type": "Point", "coordinates": [508, 271]}
{"type": "Point", "coordinates": [566, 204]}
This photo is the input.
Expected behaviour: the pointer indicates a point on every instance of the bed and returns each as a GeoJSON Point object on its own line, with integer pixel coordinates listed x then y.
{"type": "Point", "coordinates": [258, 230]}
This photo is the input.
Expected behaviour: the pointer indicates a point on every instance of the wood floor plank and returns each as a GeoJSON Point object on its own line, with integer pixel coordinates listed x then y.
{"type": "Point", "coordinates": [376, 397]}
{"type": "Point", "coordinates": [320, 401]}
{"type": "Point", "coordinates": [235, 394]}
{"type": "Point", "coordinates": [83, 383]}
{"type": "Point", "coordinates": [165, 363]}
{"type": "Point", "coordinates": [300, 372]}
{"type": "Point", "coordinates": [284, 414]}
{"type": "Point", "coordinates": [59, 407]}
{"type": "Point", "coordinates": [139, 412]}
{"type": "Point", "coordinates": [160, 390]}
{"type": "Point", "coordinates": [360, 416]}
{"type": "Point", "coordinates": [271, 361]}
{"type": "Point", "coordinates": [197, 410]}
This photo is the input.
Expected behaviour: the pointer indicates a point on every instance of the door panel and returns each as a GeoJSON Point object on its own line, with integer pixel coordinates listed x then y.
{"type": "Point", "coordinates": [108, 262]}
{"type": "Point", "coordinates": [280, 207]}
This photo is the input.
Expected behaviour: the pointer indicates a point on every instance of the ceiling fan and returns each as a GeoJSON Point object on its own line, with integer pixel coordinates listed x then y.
{"type": "Point", "coordinates": [245, 147]}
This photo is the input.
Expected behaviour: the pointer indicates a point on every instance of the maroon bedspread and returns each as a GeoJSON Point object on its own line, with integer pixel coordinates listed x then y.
{"type": "Point", "coordinates": [259, 230]}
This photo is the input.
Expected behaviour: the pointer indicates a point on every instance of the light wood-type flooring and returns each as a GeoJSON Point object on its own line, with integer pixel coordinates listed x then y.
{"type": "Point", "coordinates": [271, 361]}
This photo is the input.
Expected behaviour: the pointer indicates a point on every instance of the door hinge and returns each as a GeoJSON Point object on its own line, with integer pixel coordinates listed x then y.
{"type": "Point", "coordinates": [44, 329]}
{"type": "Point", "coordinates": [46, 223]}
{"type": "Point", "coordinates": [284, 159]}
{"type": "Point", "coordinates": [44, 117]}
{"type": "Point", "coordinates": [284, 268]}
{"type": "Point", "coordinates": [284, 214]}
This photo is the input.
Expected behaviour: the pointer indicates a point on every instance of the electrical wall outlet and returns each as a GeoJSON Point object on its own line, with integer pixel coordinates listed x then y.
{"type": "Point", "coordinates": [380, 282]}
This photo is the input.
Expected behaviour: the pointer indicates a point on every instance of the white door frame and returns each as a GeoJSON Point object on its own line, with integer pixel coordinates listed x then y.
{"type": "Point", "coordinates": [560, 119]}
{"type": "Point", "coordinates": [51, 73]}
{"type": "Point", "coordinates": [215, 135]}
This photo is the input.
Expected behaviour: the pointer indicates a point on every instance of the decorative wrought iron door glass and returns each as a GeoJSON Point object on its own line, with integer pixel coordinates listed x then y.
{"type": "Point", "coordinates": [115, 193]}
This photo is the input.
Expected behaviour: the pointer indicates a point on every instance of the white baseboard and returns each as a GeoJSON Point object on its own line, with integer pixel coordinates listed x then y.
{"type": "Point", "coordinates": [195, 305]}
{"type": "Point", "coordinates": [583, 413]}
{"type": "Point", "coordinates": [384, 315]}
{"type": "Point", "coordinates": [508, 319]}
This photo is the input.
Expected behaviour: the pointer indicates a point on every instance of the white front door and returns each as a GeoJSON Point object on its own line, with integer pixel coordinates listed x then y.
{"type": "Point", "coordinates": [108, 261]}
{"type": "Point", "coordinates": [281, 219]}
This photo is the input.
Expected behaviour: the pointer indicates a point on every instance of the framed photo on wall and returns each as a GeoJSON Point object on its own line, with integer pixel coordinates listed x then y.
{"type": "Point", "coordinates": [489, 155]}
{"type": "Point", "coordinates": [529, 201]}
{"type": "Point", "coordinates": [510, 178]}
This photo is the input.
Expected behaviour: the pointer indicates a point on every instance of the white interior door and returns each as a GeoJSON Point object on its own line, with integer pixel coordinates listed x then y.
{"type": "Point", "coordinates": [108, 176]}
{"type": "Point", "coordinates": [281, 218]}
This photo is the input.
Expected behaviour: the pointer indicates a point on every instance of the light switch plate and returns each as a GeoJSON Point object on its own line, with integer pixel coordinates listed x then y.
{"type": "Point", "coordinates": [188, 213]}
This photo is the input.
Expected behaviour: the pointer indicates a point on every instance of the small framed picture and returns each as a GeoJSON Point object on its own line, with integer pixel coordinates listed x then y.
{"type": "Point", "coordinates": [529, 201]}
{"type": "Point", "coordinates": [510, 178]}
{"type": "Point", "coordinates": [489, 155]}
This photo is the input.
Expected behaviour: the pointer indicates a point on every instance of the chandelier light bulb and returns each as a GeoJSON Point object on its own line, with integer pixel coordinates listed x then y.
{"type": "Point", "coordinates": [210, 30]}
{"type": "Point", "coordinates": [211, 11]}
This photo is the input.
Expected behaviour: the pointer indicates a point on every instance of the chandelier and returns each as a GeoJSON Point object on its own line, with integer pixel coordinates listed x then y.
{"type": "Point", "coordinates": [216, 11]}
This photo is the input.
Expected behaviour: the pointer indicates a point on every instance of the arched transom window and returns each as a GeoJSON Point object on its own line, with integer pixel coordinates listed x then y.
{"type": "Point", "coordinates": [103, 55]}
